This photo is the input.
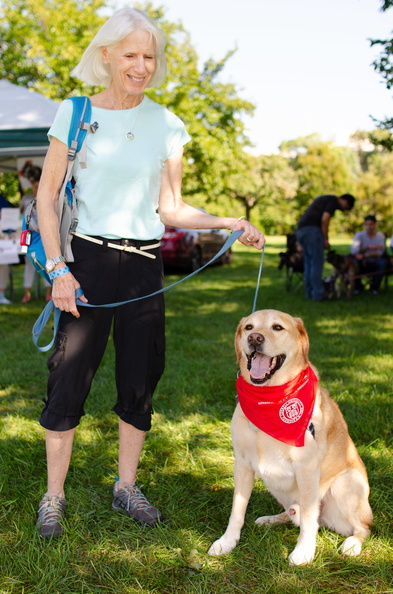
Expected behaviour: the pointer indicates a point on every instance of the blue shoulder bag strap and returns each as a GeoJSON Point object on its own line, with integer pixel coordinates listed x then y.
{"type": "Point", "coordinates": [80, 122]}
{"type": "Point", "coordinates": [46, 312]}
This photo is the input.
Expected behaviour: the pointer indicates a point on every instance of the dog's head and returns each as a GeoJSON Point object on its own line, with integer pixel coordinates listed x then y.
{"type": "Point", "coordinates": [335, 259]}
{"type": "Point", "coordinates": [271, 347]}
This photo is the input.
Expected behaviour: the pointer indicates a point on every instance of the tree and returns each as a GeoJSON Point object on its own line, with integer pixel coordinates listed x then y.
{"type": "Point", "coordinates": [297, 146]}
{"type": "Point", "coordinates": [384, 66]}
{"type": "Point", "coordinates": [375, 190]}
{"type": "Point", "coordinates": [265, 186]}
{"type": "Point", "coordinates": [42, 41]}
{"type": "Point", "coordinates": [381, 137]}
{"type": "Point", "coordinates": [325, 168]}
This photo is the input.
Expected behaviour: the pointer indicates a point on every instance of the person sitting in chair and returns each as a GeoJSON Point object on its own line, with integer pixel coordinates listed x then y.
{"type": "Point", "coordinates": [369, 249]}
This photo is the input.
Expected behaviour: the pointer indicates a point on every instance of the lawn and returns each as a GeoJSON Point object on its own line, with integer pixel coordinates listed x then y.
{"type": "Point", "coordinates": [186, 466]}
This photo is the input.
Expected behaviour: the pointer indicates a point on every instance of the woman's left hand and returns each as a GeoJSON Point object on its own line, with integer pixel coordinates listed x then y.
{"type": "Point", "coordinates": [251, 236]}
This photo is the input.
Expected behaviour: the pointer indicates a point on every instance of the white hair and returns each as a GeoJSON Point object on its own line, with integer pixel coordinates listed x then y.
{"type": "Point", "coordinates": [94, 71]}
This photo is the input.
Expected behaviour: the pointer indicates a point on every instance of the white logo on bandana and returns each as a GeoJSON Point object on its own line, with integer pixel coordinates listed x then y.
{"type": "Point", "coordinates": [291, 411]}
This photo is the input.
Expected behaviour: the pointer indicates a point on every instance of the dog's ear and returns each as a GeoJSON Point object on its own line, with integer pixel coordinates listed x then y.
{"type": "Point", "coordinates": [237, 340]}
{"type": "Point", "coordinates": [303, 338]}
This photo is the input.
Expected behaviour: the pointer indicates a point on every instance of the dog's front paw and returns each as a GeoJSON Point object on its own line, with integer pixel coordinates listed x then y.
{"type": "Point", "coordinates": [222, 546]}
{"type": "Point", "coordinates": [351, 547]}
{"type": "Point", "coordinates": [302, 555]}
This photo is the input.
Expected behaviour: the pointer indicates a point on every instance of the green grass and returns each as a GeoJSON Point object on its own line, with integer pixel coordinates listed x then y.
{"type": "Point", "coordinates": [186, 466]}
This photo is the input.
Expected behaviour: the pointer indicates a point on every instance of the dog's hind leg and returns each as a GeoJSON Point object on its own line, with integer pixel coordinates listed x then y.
{"type": "Point", "coordinates": [244, 483]}
{"type": "Point", "coordinates": [345, 509]}
{"type": "Point", "coordinates": [278, 519]}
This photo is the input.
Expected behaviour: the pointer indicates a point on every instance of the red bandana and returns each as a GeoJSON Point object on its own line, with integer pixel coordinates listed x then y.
{"type": "Point", "coordinates": [287, 410]}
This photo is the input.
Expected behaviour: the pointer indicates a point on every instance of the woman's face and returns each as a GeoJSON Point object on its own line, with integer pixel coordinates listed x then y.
{"type": "Point", "coordinates": [132, 63]}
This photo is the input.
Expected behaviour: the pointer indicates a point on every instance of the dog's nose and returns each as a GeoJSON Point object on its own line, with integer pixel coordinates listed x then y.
{"type": "Point", "coordinates": [255, 339]}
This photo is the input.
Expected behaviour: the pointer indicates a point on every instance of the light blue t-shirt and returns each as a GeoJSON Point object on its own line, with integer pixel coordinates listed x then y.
{"type": "Point", "coordinates": [118, 191]}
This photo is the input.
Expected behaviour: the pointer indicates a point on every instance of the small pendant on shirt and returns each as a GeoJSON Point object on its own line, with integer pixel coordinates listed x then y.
{"type": "Point", "coordinates": [130, 136]}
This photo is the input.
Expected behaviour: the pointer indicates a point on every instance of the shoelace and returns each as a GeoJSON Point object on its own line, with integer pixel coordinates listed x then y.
{"type": "Point", "coordinates": [135, 498]}
{"type": "Point", "coordinates": [51, 510]}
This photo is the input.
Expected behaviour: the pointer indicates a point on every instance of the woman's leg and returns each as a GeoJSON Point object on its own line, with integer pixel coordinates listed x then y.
{"type": "Point", "coordinates": [139, 341]}
{"type": "Point", "coordinates": [127, 497]}
{"type": "Point", "coordinates": [130, 447]}
{"type": "Point", "coordinates": [58, 455]}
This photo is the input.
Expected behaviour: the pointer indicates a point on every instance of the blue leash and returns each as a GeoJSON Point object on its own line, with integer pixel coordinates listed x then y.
{"type": "Point", "coordinates": [47, 311]}
{"type": "Point", "coordinates": [259, 280]}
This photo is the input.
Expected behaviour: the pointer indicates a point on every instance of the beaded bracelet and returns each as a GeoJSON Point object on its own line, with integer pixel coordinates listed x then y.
{"type": "Point", "coordinates": [59, 272]}
{"type": "Point", "coordinates": [236, 222]}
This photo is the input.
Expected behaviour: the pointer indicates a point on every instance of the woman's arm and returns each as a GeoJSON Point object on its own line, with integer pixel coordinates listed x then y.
{"type": "Point", "coordinates": [177, 213]}
{"type": "Point", "coordinates": [53, 172]}
{"type": "Point", "coordinates": [54, 169]}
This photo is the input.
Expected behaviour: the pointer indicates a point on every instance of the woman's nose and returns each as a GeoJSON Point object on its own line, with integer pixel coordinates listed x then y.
{"type": "Point", "coordinates": [140, 64]}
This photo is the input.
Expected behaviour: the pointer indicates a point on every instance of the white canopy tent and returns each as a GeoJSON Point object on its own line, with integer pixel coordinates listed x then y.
{"type": "Point", "coordinates": [25, 117]}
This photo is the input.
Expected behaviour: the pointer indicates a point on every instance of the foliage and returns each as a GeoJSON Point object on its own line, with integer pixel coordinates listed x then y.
{"type": "Point", "coordinates": [364, 170]}
{"type": "Point", "coordinates": [384, 66]}
{"type": "Point", "coordinates": [299, 145]}
{"type": "Point", "coordinates": [324, 169]}
{"type": "Point", "coordinates": [9, 187]}
{"type": "Point", "coordinates": [187, 462]}
{"type": "Point", "coordinates": [375, 189]}
{"type": "Point", "coordinates": [381, 137]}
{"type": "Point", "coordinates": [265, 187]}
{"type": "Point", "coordinates": [42, 41]}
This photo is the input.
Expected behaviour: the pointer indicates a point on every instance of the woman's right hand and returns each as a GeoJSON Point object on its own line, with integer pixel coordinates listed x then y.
{"type": "Point", "coordinates": [63, 293]}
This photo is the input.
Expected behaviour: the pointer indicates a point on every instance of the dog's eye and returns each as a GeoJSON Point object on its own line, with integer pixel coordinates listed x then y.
{"type": "Point", "coordinates": [249, 327]}
{"type": "Point", "coordinates": [277, 327]}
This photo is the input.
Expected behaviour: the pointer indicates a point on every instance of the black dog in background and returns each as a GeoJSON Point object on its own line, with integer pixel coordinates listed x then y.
{"type": "Point", "coordinates": [343, 277]}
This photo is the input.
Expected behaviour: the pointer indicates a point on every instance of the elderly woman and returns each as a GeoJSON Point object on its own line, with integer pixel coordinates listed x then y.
{"type": "Point", "coordinates": [129, 191]}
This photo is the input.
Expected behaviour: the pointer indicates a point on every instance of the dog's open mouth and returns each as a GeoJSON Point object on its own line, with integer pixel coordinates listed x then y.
{"type": "Point", "coordinates": [262, 368]}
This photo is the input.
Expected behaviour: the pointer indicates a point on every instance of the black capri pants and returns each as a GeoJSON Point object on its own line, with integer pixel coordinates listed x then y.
{"type": "Point", "coordinates": [108, 275]}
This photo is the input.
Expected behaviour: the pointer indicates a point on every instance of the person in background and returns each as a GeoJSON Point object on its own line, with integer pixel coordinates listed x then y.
{"type": "Point", "coordinates": [129, 191]}
{"type": "Point", "coordinates": [33, 174]}
{"type": "Point", "coordinates": [313, 235]}
{"type": "Point", "coordinates": [369, 249]}
{"type": "Point", "coordinates": [4, 277]}
{"type": "Point", "coordinates": [4, 268]}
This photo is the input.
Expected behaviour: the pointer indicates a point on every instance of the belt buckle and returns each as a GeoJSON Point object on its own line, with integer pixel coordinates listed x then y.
{"type": "Point", "coordinates": [127, 247]}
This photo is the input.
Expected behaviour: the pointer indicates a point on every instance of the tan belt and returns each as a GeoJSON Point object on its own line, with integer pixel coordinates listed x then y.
{"type": "Point", "coordinates": [122, 248]}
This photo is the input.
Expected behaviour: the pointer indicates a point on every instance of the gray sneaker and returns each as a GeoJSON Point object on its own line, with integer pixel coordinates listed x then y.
{"type": "Point", "coordinates": [50, 515]}
{"type": "Point", "coordinates": [132, 501]}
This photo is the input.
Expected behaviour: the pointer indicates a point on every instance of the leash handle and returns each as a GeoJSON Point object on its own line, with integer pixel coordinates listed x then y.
{"type": "Point", "coordinates": [259, 279]}
{"type": "Point", "coordinates": [47, 311]}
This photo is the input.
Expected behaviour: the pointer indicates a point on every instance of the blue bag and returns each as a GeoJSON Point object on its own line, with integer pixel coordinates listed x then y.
{"type": "Point", "coordinates": [31, 241]}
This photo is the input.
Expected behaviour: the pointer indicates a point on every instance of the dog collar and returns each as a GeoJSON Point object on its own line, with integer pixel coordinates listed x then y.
{"type": "Point", "coordinates": [283, 412]}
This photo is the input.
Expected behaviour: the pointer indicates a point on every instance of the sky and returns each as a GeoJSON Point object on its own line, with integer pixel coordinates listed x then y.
{"type": "Point", "coordinates": [305, 64]}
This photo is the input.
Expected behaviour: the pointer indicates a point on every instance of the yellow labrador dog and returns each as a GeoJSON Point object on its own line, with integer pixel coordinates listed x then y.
{"type": "Point", "coordinates": [295, 439]}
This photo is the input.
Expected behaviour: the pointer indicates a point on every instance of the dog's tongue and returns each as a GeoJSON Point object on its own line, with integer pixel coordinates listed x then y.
{"type": "Point", "coordinates": [260, 366]}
